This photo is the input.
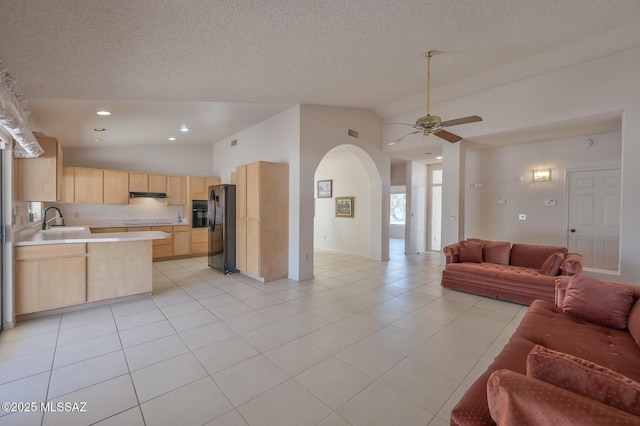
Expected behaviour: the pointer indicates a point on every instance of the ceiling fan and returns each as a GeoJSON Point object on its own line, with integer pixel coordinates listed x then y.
{"type": "Point", "coordinates": [432, 124]}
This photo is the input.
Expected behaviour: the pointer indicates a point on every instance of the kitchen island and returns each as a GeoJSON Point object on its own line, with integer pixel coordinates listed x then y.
{"type": "Point", "coordinates": [69, 266]}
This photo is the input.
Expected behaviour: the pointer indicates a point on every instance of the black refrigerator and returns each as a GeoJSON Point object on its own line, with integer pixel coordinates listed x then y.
{"type": "Point", "coordinates": [222, 228]}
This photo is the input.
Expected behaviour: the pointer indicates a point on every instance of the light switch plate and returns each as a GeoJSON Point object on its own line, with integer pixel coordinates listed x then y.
{"type": "Point", "coordinates": [522, 216]}
{"type": "Point", "coordinates": [550, 203]}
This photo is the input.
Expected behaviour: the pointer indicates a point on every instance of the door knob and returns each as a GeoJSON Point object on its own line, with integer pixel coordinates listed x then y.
{"type": "Point", "coordinates": [573, 230]}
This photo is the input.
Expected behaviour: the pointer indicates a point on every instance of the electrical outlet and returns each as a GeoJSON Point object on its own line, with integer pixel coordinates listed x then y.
{"type": "Point", "coordinates": [522, 216]}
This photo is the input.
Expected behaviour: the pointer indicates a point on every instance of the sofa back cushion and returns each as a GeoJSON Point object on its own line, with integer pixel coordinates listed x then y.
{"type": "Point", "coordinates": [634, 322]}
{"type": "Point", "coordinates": [497, 252]}
{"type": "Point", "coordinates": [532, 256]}
{"type": "Point", "coordinates": [598, 301]}
{"type": "Point", "coordinates": [470, 251]}
{"type": "Point", "coordinates": [584, 378]}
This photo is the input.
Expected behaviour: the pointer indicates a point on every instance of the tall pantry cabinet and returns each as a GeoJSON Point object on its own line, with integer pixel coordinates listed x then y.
{"type": "Point", "coordinates": [262, 220]}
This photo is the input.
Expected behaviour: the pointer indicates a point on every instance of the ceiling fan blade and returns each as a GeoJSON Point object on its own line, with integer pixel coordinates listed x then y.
{"type": "Point", "coordinates": [448, 136]}
{"type": "Point", "coordinates": [458, 121]}
{"type": "Point", "coordinates": [401, 124]}
{"type": "Point", "coordinates": [405, 136]}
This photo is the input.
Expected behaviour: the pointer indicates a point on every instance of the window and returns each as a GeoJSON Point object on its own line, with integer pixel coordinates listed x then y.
{"type": "Point", "coordinates": [398, 209]}
{"type": "Point", "coordinates": [35, 210]}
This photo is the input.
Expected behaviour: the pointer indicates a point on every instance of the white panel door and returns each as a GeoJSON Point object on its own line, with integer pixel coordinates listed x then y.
{"type": "Point", "coordinates": [594, 217]}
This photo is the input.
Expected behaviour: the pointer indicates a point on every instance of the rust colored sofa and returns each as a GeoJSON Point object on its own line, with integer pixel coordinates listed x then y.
{"type": "Point", "coordinates": [510, 393]}
{"type": "Point", "coordinates": [520, 273]}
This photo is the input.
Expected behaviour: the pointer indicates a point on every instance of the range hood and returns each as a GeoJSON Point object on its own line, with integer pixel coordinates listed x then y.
{"type": "Point", "coordinates": [147, 195]}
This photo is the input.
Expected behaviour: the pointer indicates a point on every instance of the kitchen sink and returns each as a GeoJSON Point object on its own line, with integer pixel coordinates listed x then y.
{"type": "Point", "coordinates": [66, 229]}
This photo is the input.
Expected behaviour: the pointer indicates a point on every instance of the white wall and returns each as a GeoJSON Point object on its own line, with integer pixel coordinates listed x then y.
{"type": "Point", "coordinates": [629, 224]}
{"type": "Point", "coordinates": [174, 159]}
{"type": "Point", "coordinates": [345, 235]}
{"type": "Point", "coordinates": [416, 223]}
{"type": "Point", "coordinates": [398, 174]}
{"type": "Point", "coordinates": [277, 140]}
{"type": "Point", "coordinates": [507, 173]}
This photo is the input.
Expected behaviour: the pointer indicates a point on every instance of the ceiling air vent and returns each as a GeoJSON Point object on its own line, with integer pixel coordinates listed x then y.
{"type": "Point", "coordinates": [234, 142]}
{"type": "Point", "coordinates": [353, 133]}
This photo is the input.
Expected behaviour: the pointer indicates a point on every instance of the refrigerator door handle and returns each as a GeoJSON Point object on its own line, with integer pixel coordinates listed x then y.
{"type": "Point", "coordinates": [211, 211]}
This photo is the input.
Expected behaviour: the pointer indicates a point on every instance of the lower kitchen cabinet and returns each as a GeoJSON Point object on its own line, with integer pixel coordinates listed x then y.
{"type": "Point", "coordinates": [163, 248]}
{"type": "Point", "coordinates": [50, 276]}
{"type": "Point", "coordinates": [199, 241]}
{"type": "Point", "coordinates": [181, 240]}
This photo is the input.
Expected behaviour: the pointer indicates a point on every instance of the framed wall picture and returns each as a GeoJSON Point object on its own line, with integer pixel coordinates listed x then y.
{"type": "Point", "coordinates": [344, 206]}
{"type": "Point", "coordinates": [325, 188]}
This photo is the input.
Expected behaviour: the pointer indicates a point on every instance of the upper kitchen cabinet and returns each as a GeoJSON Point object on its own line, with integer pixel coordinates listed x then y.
{"type": "Point", "coordinates": [89, 186]}
{"type": "Point", "coordinates": [116, 187]}
{"type": "Point", "coordinates": [138, 182]}
{"type": "Point", "coordinates": [198, 186]}
{"type": "Point", "coordinates": [157, 183]}
{"type": "Point", "coordinates": [40, 178]}
{"type": "Point", "coordinates": [68, 185]}
{"type": "Point", "coordinates": [176, 190]}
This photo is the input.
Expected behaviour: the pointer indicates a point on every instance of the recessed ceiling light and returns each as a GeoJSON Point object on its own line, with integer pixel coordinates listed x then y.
{"type": "Point", "coordinates": [172, 139]}
{"type": "Point", "coordinates": [184, 129]}
{"type": "Point", "coordinates": [439, 157]}
{"type": "Point", "coordinates": [97, 140]}
{"type": "Point", "coordinates": [103, 113]}
{"type": "Point", "coordinates": [100, 129]}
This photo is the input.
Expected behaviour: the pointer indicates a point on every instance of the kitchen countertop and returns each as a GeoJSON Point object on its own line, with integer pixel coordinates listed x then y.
{"type": "Point", "coordinates": [54, 236]}
{"type": "Point", "coordinates": [128, 223]}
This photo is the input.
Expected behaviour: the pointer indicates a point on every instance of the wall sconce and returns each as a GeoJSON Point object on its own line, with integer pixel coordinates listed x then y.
{"type": "Point", "coordinates": [541, 175]}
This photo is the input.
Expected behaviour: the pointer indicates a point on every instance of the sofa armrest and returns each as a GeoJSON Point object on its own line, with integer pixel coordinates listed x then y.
{"type": "Point", "coordinates": [562, 281]}
{"type": "Point", "coordinates": [572, 264]}
{"type": "Point", "coordinates": [451, 253]}
{"type": "Point", "coordinates": [516, 399]}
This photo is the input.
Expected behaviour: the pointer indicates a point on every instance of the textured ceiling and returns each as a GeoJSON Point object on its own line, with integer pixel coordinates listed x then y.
{"type": "Point", "coordinates": [220, 66]}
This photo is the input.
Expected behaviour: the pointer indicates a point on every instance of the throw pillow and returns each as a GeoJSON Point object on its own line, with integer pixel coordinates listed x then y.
{"type": "Point", "coordinates": [597, 301]}
{"type": "Point", "coordinates": [551, 266]}
{"type": "Point", "coordinates": [584, 378]}
{"type": "Point", "coordinates": [634, 322]}
{"type": "Point", "coordinates": [516, 400]}
{"type": "Point", "coordinates": [496, 252]}
{"type": "Point", "coordinates": [470, 251]}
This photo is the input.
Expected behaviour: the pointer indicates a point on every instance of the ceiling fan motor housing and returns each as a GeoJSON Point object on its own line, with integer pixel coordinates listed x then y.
{"type": "Point", "coordinates": [429, 123]}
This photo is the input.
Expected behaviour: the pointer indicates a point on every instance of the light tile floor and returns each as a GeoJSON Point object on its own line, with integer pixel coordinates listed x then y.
{"type": "Point", "coordinates": [363, 343]}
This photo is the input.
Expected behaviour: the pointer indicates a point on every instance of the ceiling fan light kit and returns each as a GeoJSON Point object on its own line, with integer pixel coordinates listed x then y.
{"type": "Point", "coordinates": [433, 124]}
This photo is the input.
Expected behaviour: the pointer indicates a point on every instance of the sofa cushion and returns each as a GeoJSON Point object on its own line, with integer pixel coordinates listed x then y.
{"type": "Point", "coordinates": [597, 301]}
{"type": "Point", "coordinates": [470, 251]}
{"type": "Point", "coordinates": [584, 378]}
{"type": "Point", "coordinates": [497, 252]}
{"type": "Point", "coordinates": [634, 322]}
{"type": "Point", "coordinates": [572, 264]}
{"type": "Point", "coordinates": [515, 400]}
{"type": "Point", "coordinates": [551, 266]}
{"type": "Point", "coordinates": [532, 256]}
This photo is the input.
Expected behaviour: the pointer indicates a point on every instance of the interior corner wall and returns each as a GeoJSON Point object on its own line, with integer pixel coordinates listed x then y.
{"type": "Point", "coordinates": [415, 235]}
{"type": "Point", "coordinates": [453, 176]}
{"type": "Point", "coordinates": [323, 128]}
{"type": "Point", "coordinates": [349, 178]}
{"type": "Point", "coordinates": [506, 174]}
{"type": "Point", "coordinates": [277, 140]}
{"type": "Point", "coordinates": [168, 159]}
{"type": "Point", "coordinates": [630, 229]}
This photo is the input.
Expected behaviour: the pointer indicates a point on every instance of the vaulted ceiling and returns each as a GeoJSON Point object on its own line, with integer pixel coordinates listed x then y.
{"type": "Point", "coordinates": [220, 66]}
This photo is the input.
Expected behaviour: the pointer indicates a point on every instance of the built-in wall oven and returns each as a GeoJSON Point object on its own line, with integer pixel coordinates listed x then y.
{"type": "Point", "coordinates": [199, 216]}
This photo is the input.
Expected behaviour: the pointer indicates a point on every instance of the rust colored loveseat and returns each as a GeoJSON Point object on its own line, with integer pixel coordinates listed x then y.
{"type": "Point", "coordinates": [592, 375]}
{"type": "Point", "coordinates": [520, 273]}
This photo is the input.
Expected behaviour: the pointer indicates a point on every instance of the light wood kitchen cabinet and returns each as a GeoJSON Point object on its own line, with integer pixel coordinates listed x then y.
{"type": "Point", "coordinates": [199, 241]}
{"type": "Point", "coordinates": [68, 195]}
{"type": "Point", "coordinates": [158, 183]}
{"type": "Point", "coordinates": [181, 240]}
{"type": "Point", "coordinates": [163, 248]}
{"type": "Point", "coordinates": [89, 186]}
{"type": "Point", "coordinates": [138, 182]}
{"type": "Point", "coordinates": [262, 234]}
{"type": "Point", "coordinates": [116, 187]}
{"type": "Point", "coordinates": [199, 186]}
{"type": "Point", "coordinates": [40, 178]}
{"type": "Point", "coordinates": [50, 276]}
{"type": "Point", "coordinates": [176, 190]}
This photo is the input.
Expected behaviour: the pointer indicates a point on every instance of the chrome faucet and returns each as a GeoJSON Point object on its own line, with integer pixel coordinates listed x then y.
{"type": "Point", "coordinates": [45, 223]}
